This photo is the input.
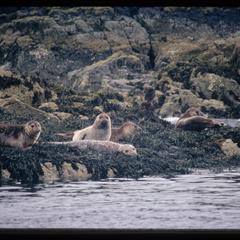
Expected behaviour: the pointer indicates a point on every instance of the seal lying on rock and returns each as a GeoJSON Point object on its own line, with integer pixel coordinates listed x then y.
{"type": "Point", "coordinates": [105, 146]}
{"type": "Point", "coordinates": [100, 130]}
{"type": "Point", "coordinates": [194, 119]}
{"type": "Point", "coordinates": [193, 111]}
{"type": "Point", "coordinates": [20, 136]}
{"type": "Point", "coordinates": [124, 132]}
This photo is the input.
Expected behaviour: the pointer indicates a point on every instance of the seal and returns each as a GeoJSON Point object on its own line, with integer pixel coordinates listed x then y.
{"type": "Point", "coordinates": [194, 119]}
{"type": "Point", "coordinates": [101, 146]}
{"type": "Point", "coordinates": [100, 130]}
{"type": "Point", "coordinates": [20, 136]}
{"type": "Point", "coordinates": [193, 111]}
{"type": "Point", "coordinates": [126, 131]}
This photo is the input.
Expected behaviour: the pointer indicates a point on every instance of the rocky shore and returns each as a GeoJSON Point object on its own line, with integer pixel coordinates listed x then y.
{"type": "Point", "coordinates": [63, 66]}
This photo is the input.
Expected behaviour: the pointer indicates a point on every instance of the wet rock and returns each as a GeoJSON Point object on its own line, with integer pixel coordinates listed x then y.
{"type": "Point", "coordinates": [6, 175]}
{"type": "Point", "coordinates": [212, 86]}
{"type": "Point", "coordinates": [16, 107]}
{"type": "Point", "coordinates": [235, 58]}
{"type": "Point", "coordinates": [80, 173]}
{"type": "Point", "coordinates": [229, 147]}
{"type": "Point", "coordinates": [50, 173]}
{"type": "Point", "coordinates": [110, 173]}
{"type": "Point", "coordinates": [83, 118]}
{"type": "Point", "coordinates": [63, 115]}
{"type": "Point", "coordinates": [93, 77]}
{"type": "Point", "coordinates": [48, 107]}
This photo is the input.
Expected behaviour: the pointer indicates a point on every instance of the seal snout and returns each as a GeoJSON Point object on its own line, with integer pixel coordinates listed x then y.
{"type": "Point", "coordinates": [34, 125]}
{"type": "Point", "coordinates": [104, 124]}
{"type": "Point", "coordinates": [104, 120]}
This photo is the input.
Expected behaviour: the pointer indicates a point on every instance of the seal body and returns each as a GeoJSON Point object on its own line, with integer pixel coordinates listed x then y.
{"type": "Point", "coordinates": [101, 146]}
{"type": "Point", "coordinates": [194, 119]}
{"type": "Point", "coordinates": [125, 132]}
{"type": "Point", "coordinates": [20, 136]}
{"type": "Point", "coordinates": [193, 111]}
{"type": "Point", "coordinates": [100, 130]}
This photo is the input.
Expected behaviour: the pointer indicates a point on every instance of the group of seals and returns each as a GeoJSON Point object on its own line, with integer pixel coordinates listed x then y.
{"type": "Point", "coordinates": [20, 136]}
{"type": "Point", "coordinates": [102, 135]}
{"type": "Point", "coordinates": [194, 119]}
{"type": "Point", "coordinates": [25, 135]}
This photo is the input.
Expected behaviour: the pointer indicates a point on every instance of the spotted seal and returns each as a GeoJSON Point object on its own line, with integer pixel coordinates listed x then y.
{"type": "Point", "coordinates": [20, 136]}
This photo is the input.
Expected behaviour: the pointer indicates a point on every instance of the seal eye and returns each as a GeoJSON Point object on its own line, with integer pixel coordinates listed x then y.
{"type": "Point", "coordinates": [32, 125]}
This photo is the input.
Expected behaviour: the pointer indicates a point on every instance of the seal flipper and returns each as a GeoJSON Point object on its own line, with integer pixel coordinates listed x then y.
{"type": "Point", "coordinates": [66, 134]}
{"type": "Point", "coordinates": [84, 136]}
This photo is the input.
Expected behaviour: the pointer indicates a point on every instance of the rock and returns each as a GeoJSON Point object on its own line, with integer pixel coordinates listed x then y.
{"type": "Point", "coordinates": [50, 173]}
{"type": "Point", "coordinates": [110, 173]}
{"type": "Point", "coordinates": [16, 107]}
{"type": "Point", "coordinates": [83, 118]}
{"type": "Point", "coordinates": [212, 86]}
{"type": "Point", "coordinates": [29, 91]}
{"type": "Point", "coordinates": [70, 174]}
{"type": "Point", "coordinates": [235, 57]}
{"type": "Point", "coordinates": [113, 105]}
{"type": "Point", "coordinates": [214, 107]}
{"type": "Point", "coordinates": [98, 109]}
{"type": "Point", "coordinates": [179, 101]}
{"type": "Point", "coordinates": [48, 107]}
{"type": "Point", "coordinates": [93, 77]}
{"type": "Point", "coordinates": [6, 175]}
{"type": "Point", "coordinates": [62, 115]}
{"type": "Point", "coordinates": [230, 148]}
{"type": "Point", "coordinates": [77, 105]}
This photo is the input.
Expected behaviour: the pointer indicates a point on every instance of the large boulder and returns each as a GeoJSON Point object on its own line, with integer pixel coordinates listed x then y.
{"type": "Point", "coordinates": [16, 107]}
{"type": "Point", "coordinates": [212, 86]}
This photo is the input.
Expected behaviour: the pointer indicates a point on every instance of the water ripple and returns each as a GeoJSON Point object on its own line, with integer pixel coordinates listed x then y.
{"type": "Point", "coordinates": [202, 200]}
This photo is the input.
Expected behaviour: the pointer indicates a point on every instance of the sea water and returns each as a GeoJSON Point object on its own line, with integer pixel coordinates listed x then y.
{"type": "Point", "coordinates": [201, 200]}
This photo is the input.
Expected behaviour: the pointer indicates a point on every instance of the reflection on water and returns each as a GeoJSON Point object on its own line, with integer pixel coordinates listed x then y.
{"type": "Point", "coordinates": [201, 200]}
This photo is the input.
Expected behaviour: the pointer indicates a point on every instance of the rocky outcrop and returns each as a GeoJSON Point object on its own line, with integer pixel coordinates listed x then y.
{"type": "Point", "coordinates": [15, 106]}
{"type": "Point", "coordinates": [63, 66]}
{"type": "Point", "coordinates": [116, 48]}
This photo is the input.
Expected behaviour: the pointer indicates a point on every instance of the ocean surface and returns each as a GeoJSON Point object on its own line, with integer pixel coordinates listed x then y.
{"type": "Point", "coordinates": [200, 200]}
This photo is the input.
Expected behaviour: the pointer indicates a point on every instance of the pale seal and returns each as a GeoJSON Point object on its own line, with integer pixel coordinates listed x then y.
{"type": "Point", "coordinates": [20, 136]}
{"type": "Point", "coordinates": [100, 130]}
{"type": "Point", "coordinates": [101, 146]}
